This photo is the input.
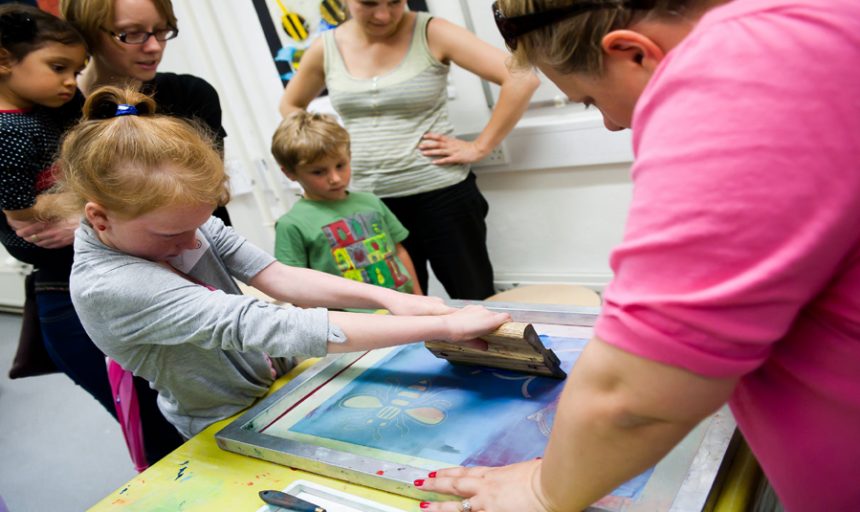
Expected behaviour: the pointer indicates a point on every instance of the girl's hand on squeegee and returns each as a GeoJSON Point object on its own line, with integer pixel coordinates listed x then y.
{"type": "Point", "coordinates": [417, 305]}
{"type": "Point", "coordinates": [472, 322]}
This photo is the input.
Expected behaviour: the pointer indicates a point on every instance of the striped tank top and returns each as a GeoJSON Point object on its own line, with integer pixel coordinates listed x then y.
{"type": "Point", "coordinates": [387, 115]}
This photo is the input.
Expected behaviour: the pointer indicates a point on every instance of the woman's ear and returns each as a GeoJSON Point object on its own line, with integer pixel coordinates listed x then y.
{"type": "Point", "coordinates": [634, 48]}
{"type": "Point", "coordinates": [97, 216]}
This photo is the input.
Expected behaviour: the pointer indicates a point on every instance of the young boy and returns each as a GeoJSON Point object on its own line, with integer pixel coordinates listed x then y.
{"type": "Point", "coordinates": [349, 234]}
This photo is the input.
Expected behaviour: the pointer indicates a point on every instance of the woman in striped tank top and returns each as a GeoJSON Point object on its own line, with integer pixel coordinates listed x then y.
{"type": "Point", "coordinates": [386, 73]}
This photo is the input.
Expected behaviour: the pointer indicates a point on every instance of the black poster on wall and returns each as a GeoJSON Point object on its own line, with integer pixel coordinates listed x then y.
{"type": "Point", "coordinates": [289, 36]}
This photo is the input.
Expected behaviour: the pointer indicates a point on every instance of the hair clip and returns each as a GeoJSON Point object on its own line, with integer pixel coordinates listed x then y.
{"type": "Point", "coordinates": [124, 109]}
{"type": "Point", "coordinates": [17, 27]}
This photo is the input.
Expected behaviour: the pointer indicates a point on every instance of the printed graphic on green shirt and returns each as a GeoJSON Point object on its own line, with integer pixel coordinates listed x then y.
{"type": "Point", "coordinates": [363, 251]}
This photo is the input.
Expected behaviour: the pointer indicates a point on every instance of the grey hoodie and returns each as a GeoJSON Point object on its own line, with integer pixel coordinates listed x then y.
{"type": "Point", "coordinates": [204, 351]}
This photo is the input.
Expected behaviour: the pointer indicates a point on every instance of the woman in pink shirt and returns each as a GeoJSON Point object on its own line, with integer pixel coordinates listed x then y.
{"type": "Point", "coordinates": [737, 280]}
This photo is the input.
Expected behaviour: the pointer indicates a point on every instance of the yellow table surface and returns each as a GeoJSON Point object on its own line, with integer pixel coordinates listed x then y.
{"type": "Point", "coordinates": [200, 476]}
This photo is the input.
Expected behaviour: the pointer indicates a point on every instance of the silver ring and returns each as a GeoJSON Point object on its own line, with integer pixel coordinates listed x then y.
{"type": "Point", "coordinates": [466, 505]}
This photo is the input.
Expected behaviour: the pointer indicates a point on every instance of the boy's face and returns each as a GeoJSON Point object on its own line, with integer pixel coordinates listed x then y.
{"type": "Point", "coordinates": [324, 180]}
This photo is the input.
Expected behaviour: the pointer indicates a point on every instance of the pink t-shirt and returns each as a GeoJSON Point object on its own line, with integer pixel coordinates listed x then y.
{"type": "Point", "coordinates": [741, 255]}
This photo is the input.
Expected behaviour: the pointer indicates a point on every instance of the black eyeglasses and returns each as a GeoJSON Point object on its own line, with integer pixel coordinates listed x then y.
{"type": "Point", "coordinates": [513, 27]}
{"type": "Point", "coordinates": [141, 36]}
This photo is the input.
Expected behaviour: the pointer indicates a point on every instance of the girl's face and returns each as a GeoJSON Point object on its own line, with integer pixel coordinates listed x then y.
{"type": "Point", "coordinates": [120, 60]}
{"type": "Point", "coordinates": [43, 77]}
{"type": "Point", "coordinates": [378, 17]}
{"type": "Point", "coordinates": [158, 235]}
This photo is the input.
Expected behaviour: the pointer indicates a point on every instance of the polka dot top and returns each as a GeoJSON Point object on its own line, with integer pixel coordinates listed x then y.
{"type": "Point", "coordinates": [29, 141]}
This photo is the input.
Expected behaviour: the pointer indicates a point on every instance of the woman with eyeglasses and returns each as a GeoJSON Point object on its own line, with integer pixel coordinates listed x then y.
{"type": "Point", "coordinates": [737, 280]}
{"type": "Point", "coordinates": [386, 71]}
{"type": "Point", "coordinates": [127, 39]}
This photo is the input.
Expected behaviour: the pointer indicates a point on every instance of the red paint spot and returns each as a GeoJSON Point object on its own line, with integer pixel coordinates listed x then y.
{"type": "Point", "coordinates": [380, 472]}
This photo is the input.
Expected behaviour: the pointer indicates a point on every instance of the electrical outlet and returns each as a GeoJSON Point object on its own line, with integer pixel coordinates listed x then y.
{"type": "Point", "coordinates": [498, 156]}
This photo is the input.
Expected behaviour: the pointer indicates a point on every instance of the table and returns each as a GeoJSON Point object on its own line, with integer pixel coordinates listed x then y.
{"type": "Point", "coordinates": [201, 476]}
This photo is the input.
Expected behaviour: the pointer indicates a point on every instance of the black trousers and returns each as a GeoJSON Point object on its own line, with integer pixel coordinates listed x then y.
{"type": "Point", "coordinates": [447, 228]}
{"type": "Point", "coordinates": [160, 437]}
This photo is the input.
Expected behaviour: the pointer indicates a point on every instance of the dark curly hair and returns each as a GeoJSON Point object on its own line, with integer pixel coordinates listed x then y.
{"type": "Point", "coordinates": [24, 29]}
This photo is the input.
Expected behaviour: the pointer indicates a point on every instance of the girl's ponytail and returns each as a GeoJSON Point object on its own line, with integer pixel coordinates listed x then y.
{"type": "Point", "coordinates": [131, 160]}
{"type": "Point", "coordinates": [107, 102]}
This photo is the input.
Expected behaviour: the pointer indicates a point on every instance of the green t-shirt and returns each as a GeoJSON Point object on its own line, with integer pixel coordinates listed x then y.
{"type": "Point", "coordinates": [354, 238]}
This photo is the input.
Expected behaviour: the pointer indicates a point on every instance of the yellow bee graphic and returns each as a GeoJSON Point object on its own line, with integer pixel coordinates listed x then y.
{"type": "Point", "coordinates": [293, 23]}
{"type": "Point", "coordinates": [396, 407]}
{"type": "Point", "coordinates": [332, 12]}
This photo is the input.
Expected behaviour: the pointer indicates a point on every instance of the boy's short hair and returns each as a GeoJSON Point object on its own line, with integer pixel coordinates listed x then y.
{"type": "Point", "coordinates": [306, 137]}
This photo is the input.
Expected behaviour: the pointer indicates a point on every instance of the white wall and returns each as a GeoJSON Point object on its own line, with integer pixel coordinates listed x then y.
{"type": "Point", "coordinates": [557, 206]}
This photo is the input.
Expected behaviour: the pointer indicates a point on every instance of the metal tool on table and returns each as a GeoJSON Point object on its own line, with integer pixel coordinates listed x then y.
{"type": "Point", "coordinates": [289, 502]}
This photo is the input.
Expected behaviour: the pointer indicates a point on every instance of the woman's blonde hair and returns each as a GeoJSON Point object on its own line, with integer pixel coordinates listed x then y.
{"type": "Point", "coordinates": [573, 45]}
{"type": "Point", "coordinates": [307, 137]}
{"type": "Point", "coordinates": [91, 16]}
{"type": "Point", "coordinates": [136, 163]}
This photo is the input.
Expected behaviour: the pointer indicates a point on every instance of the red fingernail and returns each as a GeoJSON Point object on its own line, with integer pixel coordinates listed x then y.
{"type": "Point", "coordinates": [432, 474]}
{"type": "Point", "coordinates": [424, 504]}
{"type": "Point", "coordinates": [419, 482]}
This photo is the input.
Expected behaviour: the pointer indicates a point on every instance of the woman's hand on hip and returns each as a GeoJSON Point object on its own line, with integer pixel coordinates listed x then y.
{"type": "Point", "coordinates": [445, 150]}
{"type": "Point", "coordinates": [506, 489]}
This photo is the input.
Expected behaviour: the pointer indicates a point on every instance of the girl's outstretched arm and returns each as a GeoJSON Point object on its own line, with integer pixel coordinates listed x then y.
{"type": "Point", "coordinates": [312, 288]}
{"type": "Point", "coordinates": [367, 331]}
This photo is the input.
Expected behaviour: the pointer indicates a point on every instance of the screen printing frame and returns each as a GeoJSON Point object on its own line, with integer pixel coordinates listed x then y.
{"type": "Point", "coordinates": [681, 481]}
